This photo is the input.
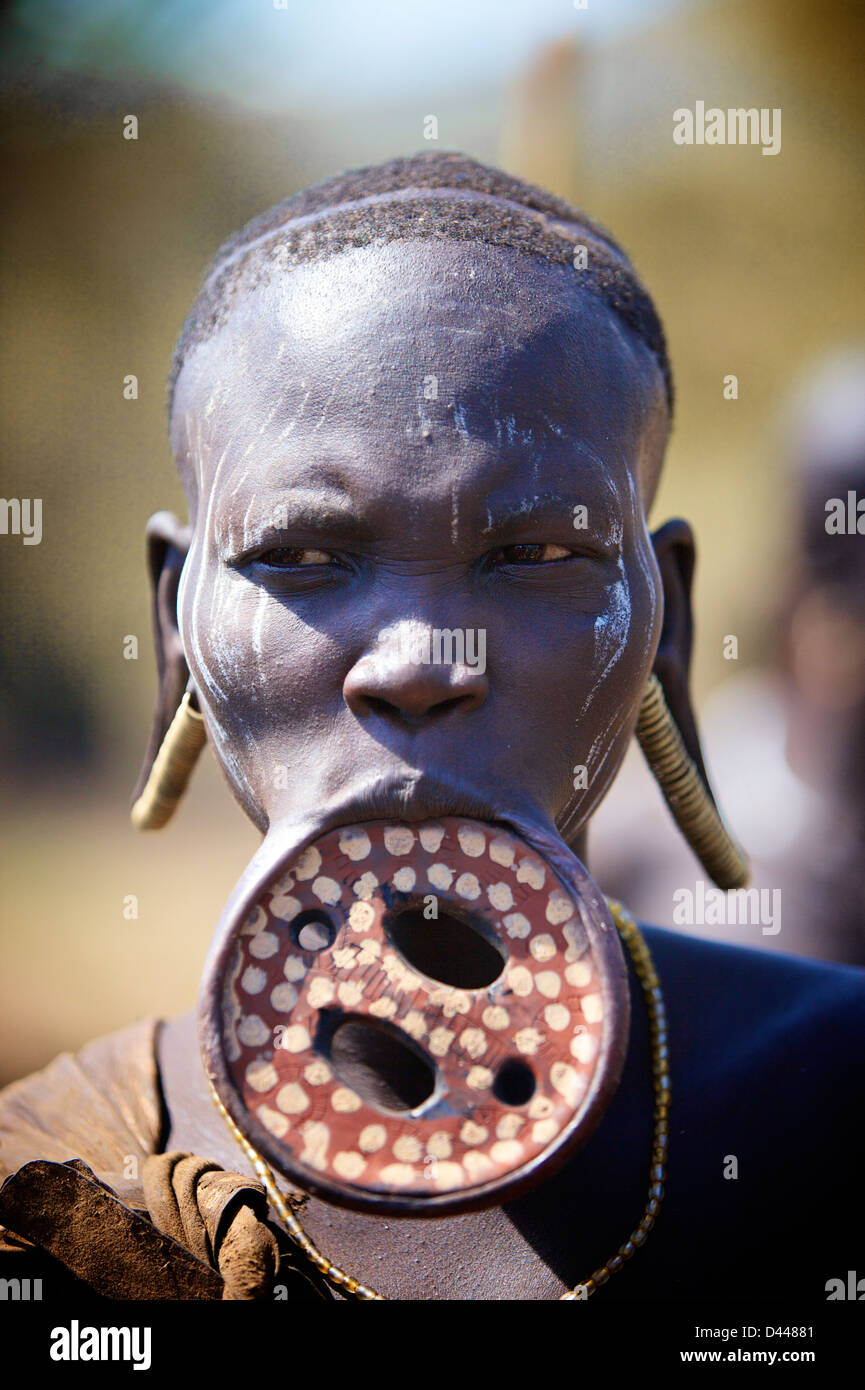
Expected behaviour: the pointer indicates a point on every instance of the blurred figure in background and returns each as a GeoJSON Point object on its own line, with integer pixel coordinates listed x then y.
{"type": "Point", "coordinates": [785, 744]}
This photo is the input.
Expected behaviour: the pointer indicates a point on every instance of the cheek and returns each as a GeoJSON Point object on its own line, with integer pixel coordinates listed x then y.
{"type": "Point", "coordinates": [624, 640]}
{"type": "Point", "coordinates": [264, 675]}
{"type": "Point", "coordinates": [209, 629]}
{"type": "Point", "coordinates": [613, 629]}
{"type": "Point", "coordinates": [218, 627]}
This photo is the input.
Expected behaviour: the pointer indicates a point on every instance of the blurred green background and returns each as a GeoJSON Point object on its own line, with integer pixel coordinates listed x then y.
{"type": "Point", "coordinates": [755, 264]}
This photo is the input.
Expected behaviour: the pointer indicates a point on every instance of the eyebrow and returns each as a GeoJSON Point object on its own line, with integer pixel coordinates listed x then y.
{"type": "Point", "coordinates": [314, 475]}
{"type": "Point", "coordinates": [268, 519]}
{"type": "Point", "coordinates": [600, 505]}
{"type": "Point", "coordinates": [320, 500]}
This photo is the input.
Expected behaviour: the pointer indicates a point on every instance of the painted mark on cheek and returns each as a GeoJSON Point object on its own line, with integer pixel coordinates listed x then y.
{"type": "Point", "coordinates": [193, 650]}
{"type": "Point", "coordinates": [553, 426]}
{"type": "Point", "coordinates": [196, 563]}
{"type": "Point", "coordinates": [240, 482]}
{"type": "Point", "coordinates": [256, 632]}
{"type": "Point", "coordinates": [218, 698]}
{"type": "Point", "coordinates": [647, 572]}
{"type": "Point", "coordinates": [612, 629]}
{"type": "Point", "coordinates": [206, 633]}
{"type": "Point", "coordinates": [460, 422]}
{"type": "Point", "coordinates": [266, 421]}
{"type": "Point", "coordinates": [619, 628]}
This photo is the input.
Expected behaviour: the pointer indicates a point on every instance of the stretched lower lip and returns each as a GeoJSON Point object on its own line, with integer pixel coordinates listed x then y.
{"type": "Point", "coordinates": [414, 809]}
{"type": "Point", "coordinates": [416, 795]}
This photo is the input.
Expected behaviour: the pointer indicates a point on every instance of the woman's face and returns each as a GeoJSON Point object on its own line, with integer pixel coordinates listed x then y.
{"type": "Point", "coordinates": [420, 579]}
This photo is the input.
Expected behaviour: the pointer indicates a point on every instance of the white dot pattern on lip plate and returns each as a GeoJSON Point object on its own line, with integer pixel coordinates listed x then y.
{"type": "Point", "coordinates": [545, 1012]}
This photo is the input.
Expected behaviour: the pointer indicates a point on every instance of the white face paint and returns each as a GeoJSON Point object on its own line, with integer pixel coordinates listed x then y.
{"type": "Point", "coordinates": [415, 504]}
{"type": "Point", "coordinates": [612, 635]}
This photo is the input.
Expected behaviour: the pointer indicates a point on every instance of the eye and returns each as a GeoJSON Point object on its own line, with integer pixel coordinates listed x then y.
{"type": "Point", "coordinates": [532, 554]}
{"type": "Point", "coordinates": [289, 557]}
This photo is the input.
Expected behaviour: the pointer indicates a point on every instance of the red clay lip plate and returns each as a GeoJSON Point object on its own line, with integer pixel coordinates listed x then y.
{"type": "Point", "coordinates": [522, 1066]}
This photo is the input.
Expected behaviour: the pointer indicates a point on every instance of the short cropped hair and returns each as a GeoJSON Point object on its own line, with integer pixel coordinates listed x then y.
{"type": "Point", "coordinates": [434, 195]}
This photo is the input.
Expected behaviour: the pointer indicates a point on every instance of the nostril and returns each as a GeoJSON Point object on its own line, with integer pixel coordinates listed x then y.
{"type": "Point", "coordinates": [411, 711]}
{"type": "Point", "coordinates": [454, 702]}
{"type": "Point", "coordinates": [373, 704]}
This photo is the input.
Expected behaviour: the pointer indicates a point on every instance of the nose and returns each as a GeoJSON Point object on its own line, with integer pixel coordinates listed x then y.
{"type": "Point", "coordinates": [416, 673]}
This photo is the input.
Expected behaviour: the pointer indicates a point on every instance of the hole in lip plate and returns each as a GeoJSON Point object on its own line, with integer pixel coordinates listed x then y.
{"type": "Point", "coordinates": [514, 1083]}
{"type": "Point", "coordinates": [456, 948]}
{"type": "Point", "coordinates": [376, 1060]}
{"type": "Point", "coordinates": [313, 930]}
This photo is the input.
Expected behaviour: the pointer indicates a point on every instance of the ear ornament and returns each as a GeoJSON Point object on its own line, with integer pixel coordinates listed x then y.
{"type": "Point", "coordinates": [686, 794]}
{"type": "Point", "coordinates": [172, 767]}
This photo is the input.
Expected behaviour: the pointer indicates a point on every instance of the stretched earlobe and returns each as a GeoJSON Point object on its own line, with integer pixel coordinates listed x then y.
{"type": "Point", "coordinates": [178, 735]}
{"type": "Point", "coordinates": [172, 768]}
{"type": "Point", "coordinates": [686, 794]}
{"type": "Point", "coordinates": [676, 555]}
{"type": "Point", "coordinates": [667, 729]}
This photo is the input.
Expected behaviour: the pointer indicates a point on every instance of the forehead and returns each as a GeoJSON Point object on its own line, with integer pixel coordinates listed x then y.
{"type": "Point", "coordinates": [412, 361]}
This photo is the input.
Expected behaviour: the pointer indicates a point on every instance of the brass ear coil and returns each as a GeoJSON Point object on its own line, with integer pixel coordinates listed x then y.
{"type": "Point", "coordinates": [172, 768]}
{"type": "Point", "coordinates": [685, 793]}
